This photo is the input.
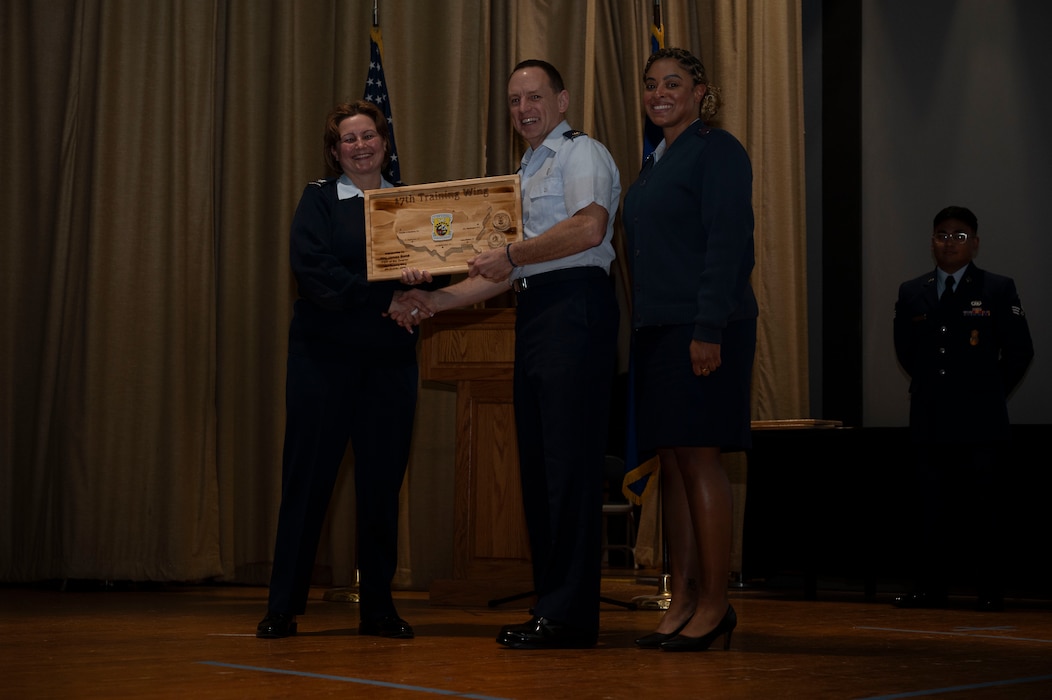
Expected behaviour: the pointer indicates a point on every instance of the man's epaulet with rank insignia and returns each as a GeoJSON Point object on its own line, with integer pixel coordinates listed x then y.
{"type": "Point", "coordinates": [572, 134]}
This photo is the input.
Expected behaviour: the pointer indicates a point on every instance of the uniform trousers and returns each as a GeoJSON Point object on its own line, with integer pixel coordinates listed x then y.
{"type": "Point", "coordinates": [371, 401]}
{"type": "Point", "coordinates": [565, 348]}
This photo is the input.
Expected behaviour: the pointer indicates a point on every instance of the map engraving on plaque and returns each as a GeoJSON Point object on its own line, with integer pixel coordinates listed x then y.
{"type": "Point", "coordinates": [440, 226]}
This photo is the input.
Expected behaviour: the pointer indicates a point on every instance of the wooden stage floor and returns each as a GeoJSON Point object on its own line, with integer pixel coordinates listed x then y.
{"type": "Point", "coordinates": [198, 642]}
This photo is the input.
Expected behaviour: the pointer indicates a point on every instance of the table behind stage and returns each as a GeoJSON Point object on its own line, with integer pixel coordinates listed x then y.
{"type": "Point", "coordinates": [801, 486]}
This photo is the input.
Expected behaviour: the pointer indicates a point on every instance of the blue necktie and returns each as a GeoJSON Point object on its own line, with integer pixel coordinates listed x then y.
{"type": "Point", "coordinates": [947, 293]}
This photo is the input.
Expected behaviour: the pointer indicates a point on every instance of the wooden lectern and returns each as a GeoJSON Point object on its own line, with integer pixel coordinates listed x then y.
{"type": "Point", "coordinates": [475, 351]}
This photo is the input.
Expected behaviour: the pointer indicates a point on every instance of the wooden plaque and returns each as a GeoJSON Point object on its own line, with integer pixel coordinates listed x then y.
{"type": "Point", "coordinates": [439, 226]}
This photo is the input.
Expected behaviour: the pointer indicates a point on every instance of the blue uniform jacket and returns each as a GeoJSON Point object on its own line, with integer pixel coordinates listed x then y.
{"type": "Point", "coordinates": [963, 360]}
{"type": "Point", "coordinates": [691, 254]}
{"type": "Point", "coordinates": [339, 309]}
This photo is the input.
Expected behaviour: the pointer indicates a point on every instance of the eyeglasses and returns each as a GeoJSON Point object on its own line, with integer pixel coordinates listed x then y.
{"type": "Point", "coordinates": [956, 236]}
{"type": "Point", "coordinates": [351, 139]}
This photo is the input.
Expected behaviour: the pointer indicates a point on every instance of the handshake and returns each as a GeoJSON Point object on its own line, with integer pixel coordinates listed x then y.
{"type": "Point", "coordinates": [409, 307]}
{"type": "Point", "coordinates": [488, 275]}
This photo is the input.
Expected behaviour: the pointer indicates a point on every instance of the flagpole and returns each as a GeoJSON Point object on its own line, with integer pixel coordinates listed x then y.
{"type": "Point", "coordinates": [376, 92]}
{"type": "Point", "coordinates": [663, 598]}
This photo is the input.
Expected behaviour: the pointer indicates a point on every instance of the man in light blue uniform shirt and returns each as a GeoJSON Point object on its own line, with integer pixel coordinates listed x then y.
{"type": "Point", "coordinates": [565, 347]}
{"type": "Point", "coordinates": [567, 172]}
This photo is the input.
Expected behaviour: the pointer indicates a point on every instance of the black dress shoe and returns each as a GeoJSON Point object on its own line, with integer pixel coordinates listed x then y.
{"type": "Point", "coordinates": [921, 599]}
{"type": "Point", "coordinates": [654, 639]}
{"type": "Point", "coordinates": [542, 633]}
{"type": "Point", "coordinates": [276, 626]}
{"type": "Point", "coordinates": [390, 626]}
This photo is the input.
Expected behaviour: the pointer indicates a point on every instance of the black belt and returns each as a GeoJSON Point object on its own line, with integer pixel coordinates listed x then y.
{"type": "Point", "coordinates": [567, 274]}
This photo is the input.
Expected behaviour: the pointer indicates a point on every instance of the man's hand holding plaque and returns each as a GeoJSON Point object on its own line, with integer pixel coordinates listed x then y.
{"type": "Point", "coordinates": [494, 265]}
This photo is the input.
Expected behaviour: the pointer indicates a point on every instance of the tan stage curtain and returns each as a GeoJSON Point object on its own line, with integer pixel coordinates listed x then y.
{"type": "Point", "coordinates": [153, 155]}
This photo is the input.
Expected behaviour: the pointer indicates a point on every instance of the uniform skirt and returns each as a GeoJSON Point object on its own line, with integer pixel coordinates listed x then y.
{"type": "Point", "coordinates": [676, 408]}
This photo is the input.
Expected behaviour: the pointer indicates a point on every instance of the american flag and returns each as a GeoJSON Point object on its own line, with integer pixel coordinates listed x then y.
{"type": "Point", "coordinates": [376, 92]}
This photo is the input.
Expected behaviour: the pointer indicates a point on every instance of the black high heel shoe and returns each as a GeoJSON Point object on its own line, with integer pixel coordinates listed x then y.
{"type": "Point", "coordinates": [725, 627]}
{"type": "Point", "coordinates": [654, 639]}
